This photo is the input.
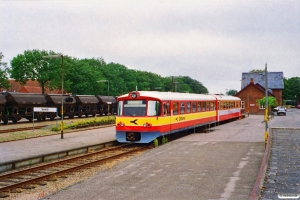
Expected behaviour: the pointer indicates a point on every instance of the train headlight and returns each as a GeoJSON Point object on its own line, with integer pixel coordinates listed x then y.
{"type": "Point", "coordinates": [134, 95]}
{"type": "Point", "coordinates": [147, 125]}
{"type": "Point", "coordinates": [121, 124]}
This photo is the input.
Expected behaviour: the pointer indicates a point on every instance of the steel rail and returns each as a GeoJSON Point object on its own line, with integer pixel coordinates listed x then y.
{"type": "Point", "coordinates": [61, 172]}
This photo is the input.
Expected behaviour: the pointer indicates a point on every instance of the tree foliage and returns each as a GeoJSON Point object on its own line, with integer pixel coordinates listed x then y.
{"type": "Point", "coordinates": [271, 101]}
{"type": "Point", "coordinates": [256, 70]}
{"type": "Point", "coordinates": [231, 92]}
{"type": "Point", "coordinates": [82, 76]}
{"type": "Point", "coordinates": [4, 71]}
{"type": "Point", "coordinates": [31, 65]}
{"type": "Point", "coordinates": [291, 89]}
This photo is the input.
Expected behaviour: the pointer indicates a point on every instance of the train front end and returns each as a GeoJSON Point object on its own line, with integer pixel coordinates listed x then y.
{"type": "Point", "coordinates": [137, 119]}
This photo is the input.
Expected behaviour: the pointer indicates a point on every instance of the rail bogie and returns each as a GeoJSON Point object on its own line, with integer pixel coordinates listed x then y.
{"type": "Point", "coordinates": [145, 115]}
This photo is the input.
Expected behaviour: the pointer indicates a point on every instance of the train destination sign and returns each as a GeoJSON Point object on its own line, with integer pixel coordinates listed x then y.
{"type": "Point", "coordinates": [44, 109]}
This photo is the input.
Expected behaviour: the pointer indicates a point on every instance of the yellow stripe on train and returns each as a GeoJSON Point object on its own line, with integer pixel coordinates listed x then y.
{"type": "Point", "coordinates": [162, 120]}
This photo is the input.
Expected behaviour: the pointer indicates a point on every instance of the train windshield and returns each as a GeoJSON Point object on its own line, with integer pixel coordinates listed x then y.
{"type": "Point", "coordinates": [138, 108]}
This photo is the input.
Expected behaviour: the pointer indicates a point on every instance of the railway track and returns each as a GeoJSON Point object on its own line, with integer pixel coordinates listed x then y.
{"type": "Point", "coordinates": [39, 175]}
{"type": "Point", "coordinates": [21, 129]}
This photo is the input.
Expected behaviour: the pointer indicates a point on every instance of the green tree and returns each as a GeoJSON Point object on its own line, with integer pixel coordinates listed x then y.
{"type": "Point", "coordinates": [256, 70]}
{"type": "Point", "coordinates": [82, 76]}
{"type": "Point", "coordinates": [4, 71]}
{"type": "Point", "coordinates": [271, 101]}
{"type": "Point", "coordinates": [291, 88]}
{"type": "Point", "coordinates": [32, 66]}
{"type": "Point", "coordinates": [187, 84]}
{"type": "Point", "coordinates": [231, 92]}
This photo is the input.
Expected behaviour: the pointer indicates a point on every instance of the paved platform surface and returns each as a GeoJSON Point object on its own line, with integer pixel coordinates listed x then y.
{"type": "Point", "coordinates": [282, 179]}
{"type": "Point", "coordinates": [221, 164]}
{"type": "Point", "coordinates": [21, 149]}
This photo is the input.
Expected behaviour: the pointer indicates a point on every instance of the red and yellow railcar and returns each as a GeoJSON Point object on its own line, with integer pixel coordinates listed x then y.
{"type": "Point", "coordinates": [143, 116]}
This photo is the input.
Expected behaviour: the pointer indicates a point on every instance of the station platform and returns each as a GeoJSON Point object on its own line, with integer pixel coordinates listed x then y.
{"type": "Point", "coordinates": [38, 148]}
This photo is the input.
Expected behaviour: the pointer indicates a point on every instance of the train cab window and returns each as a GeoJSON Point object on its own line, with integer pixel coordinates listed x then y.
{"type": "Point", "coordinates": [203, 106]}
{"type": "Point", "coordinates": [153, 108]}
{"type": "Point", "coordinates": [188, 107]}
{"type": "Point", "coordinates": [220, 105]}
{"type": "Point", "coordinates": [175, 108]}
{"type": "Point", "coordinates": [199, 106]}
{"type": "Point", "coordinates": [134, 108]}
{"type": "Point", "coordinates": [194, 107]}
{"type": "Point", "coordinates": [182, 108]}
{"type": "Point", "coordinates": [120, 108]}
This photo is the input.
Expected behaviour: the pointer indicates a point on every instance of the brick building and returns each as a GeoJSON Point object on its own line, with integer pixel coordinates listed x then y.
{"type": "Point", "coordinates": [252, 89]}
{"type": "Point", "coordinates": [29, 87]}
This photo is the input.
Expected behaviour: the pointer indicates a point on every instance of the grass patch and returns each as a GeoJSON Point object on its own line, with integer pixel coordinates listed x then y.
{"type": "Point", "coordinates": [54, 128]}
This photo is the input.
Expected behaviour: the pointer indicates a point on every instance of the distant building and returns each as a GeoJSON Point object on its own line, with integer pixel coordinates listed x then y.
{"type": "Point", "coordinates": [29, 87]}
{"type": "Point", "coordinates": [253, 89]}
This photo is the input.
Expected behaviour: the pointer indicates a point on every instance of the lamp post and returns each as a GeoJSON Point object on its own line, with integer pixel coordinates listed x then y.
{"type": "Point", "coordinates": [175, 86]}
{"type": "Point", "coordinates": [266, 106]}
{"type": "Point", "coordinates": [107, 95]}
{"type": "Point", "coordinates": [62, 91]}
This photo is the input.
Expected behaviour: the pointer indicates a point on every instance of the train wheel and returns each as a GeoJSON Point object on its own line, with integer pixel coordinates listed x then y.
{"type": "Point", "coordinates": [5, 121]}
{"type": "Point", "coordinates": [14, 121]}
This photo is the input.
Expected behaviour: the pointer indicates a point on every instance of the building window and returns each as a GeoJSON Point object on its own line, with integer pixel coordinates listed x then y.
{"type": "Point", "coordinates": [261, 106]}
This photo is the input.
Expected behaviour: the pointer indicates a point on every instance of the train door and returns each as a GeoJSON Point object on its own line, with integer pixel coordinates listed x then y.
{"type": "Point", "coordinates": [166, 127]}
{"type": "Point", "coordinates": [219, 108]}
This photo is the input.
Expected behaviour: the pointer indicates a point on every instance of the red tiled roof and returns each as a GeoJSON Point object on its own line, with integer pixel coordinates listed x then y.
{"type": "Point", "coordinates": [29, 87]}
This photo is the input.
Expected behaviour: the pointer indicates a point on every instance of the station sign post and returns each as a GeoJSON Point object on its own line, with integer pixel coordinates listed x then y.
{"type": "Point", "coordinates": [42, 109]}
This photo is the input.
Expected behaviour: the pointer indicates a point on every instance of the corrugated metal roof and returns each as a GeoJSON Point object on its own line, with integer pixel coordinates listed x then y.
{"type": "Point", "coordinates": [87, 99]}
{"type": "Point", "coordinates": [57, 98]}
{"type": "Point", "coordinates": [26, 98]}
{"type": "Point", "coordinates": [106, 99]}
{"type": "Point", "coordinates": [275, 79]}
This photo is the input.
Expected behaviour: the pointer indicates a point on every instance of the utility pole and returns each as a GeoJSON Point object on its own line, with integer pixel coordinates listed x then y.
{"type": "Point", "coordinates": [266, 106]}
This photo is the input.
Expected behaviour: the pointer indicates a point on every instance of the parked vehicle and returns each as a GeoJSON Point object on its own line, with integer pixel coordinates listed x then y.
{"type": "Point", "coordinates": [281, 111]}
{"type": "Point", "coordinates": [279, 107]}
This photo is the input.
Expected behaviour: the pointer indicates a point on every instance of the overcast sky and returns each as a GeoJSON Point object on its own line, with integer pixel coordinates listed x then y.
{"type": "Point", "coordinates": [212, 41]}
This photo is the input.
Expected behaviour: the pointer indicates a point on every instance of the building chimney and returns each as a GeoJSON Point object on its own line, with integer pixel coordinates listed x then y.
{"type": "Point", "coordinates": [251, 80]}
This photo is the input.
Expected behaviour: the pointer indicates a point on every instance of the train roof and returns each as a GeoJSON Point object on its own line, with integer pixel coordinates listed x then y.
{"type": "Point", "coordinates": [87, 99]}
{"type": "Point", "coordinates": [25, 98]}
{"type": "Point", "coordinates": [57, 98]}
{"type": "Point", "coordinates": [106, 99]}
{"type": "Point", "coordinates": [180, 96]}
